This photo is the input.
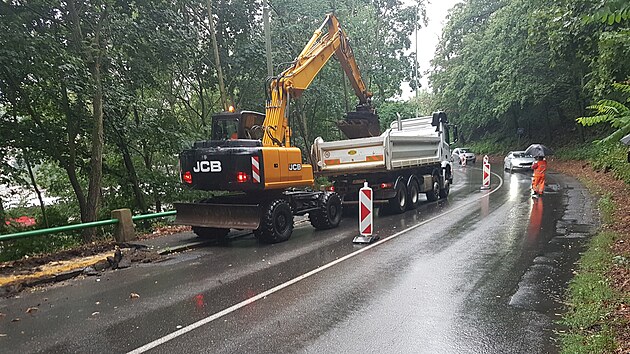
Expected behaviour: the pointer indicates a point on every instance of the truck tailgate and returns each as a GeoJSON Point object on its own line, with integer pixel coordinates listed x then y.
{"type": "Point", "coordinates": [349, 155]}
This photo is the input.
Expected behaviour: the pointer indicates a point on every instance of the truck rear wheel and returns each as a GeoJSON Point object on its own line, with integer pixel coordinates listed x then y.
{"type": "Point", "coordinates": [434, 193]}
{"type": "Point", "coordinates": [398, 204]}
{"type": "Point", "coordinates": [447, 188]}
{"type": "Point", "coordinates": [329, 213]}
{"type": "Point", "coordinates": [276, 224]}
{"type": "Point", "coordinates": [210, 233]}
{"type": "Point", "coordinates": [414, 200]}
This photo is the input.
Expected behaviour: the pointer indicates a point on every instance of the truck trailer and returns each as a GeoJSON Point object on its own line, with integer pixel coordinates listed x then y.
{"type": "Point", "coordinates": [409, 158]}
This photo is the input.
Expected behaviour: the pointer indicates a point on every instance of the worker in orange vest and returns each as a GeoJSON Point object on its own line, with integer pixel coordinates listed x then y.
{"type": "Point", "coordinates": [538, 182]}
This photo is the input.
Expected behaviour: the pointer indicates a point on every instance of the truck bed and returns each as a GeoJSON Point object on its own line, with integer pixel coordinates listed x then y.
{"type": "Point", "coordinates": [415, 144]}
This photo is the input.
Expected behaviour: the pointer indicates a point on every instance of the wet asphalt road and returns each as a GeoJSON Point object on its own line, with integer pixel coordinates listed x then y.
{"type": "Point", "coordinates": [481, 272]}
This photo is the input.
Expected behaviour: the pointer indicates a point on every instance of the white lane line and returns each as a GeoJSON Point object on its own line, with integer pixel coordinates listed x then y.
{"type": "Point", "coordinates": [264, 294]}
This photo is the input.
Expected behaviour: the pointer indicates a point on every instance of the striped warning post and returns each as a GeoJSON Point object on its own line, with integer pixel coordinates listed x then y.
{"type": "Point", "coordinates": [486, 173]}
{"type": "Point", "coordinates": [365, 216]}
{"type": "Point", "coordinates": [255, 169]}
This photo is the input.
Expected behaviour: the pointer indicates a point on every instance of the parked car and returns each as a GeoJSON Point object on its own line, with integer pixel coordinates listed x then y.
{"type": "Point", "coordinates": [517, 160]}
{"type": "Point", "coordinates": [465, 152]}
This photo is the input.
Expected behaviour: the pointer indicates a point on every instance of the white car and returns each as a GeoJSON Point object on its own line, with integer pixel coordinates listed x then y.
{"type": "Point", "coordinates": [458, 153]}
{"type": "Point", "coordinates": [518, 160]}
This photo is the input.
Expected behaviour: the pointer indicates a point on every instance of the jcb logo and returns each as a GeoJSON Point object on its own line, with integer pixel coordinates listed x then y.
{"type": "Point", "coordinates": [295, 167]}
{"type": "Point", "coordinates": [207, 166]}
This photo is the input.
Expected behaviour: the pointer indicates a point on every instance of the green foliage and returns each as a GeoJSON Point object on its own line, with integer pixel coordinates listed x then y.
{"type": "Point", "coordinates": [490, 147]}
{"type": "Point", "coordinates": [582, 152]}
{"type": "Point", "coordinates": [615, 113]}
{"type": "Point", "coordinates": [606, 157]}
{"type": "Point", "coordinates": [606, 208]}
{"type": "Point", "coordinates": [538, 75]}
{"type": "Point", "coordinates": [613, 12]}
{"type": "Point", "coordinates": [16, 249]}
{"type": "Point", "coordinates": [58, 215]}
{"type": "Point", "coordinates": [612, 157]}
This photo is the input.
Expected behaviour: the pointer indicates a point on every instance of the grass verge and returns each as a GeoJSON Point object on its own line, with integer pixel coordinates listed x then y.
{"type": "Point", "coordinates": [591, 297]}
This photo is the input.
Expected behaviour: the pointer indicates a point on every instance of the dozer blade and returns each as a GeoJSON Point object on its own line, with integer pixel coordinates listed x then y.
{"type": "Point", "coordinates": [360, 124]}
{"type": "Point", "coordinates": [224, 216]}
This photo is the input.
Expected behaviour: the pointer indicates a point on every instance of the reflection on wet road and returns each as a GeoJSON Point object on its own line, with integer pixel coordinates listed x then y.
{"type": "Point", "coordinates": [479, 272]}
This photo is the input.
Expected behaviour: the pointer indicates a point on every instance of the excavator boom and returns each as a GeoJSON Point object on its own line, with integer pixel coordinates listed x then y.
{"type": "Point", "coordinates": [294, 80]}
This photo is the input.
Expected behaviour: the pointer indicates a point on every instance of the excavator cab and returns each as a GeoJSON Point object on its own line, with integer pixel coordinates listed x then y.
{"type": "Point", "coordinates": [237, 125]}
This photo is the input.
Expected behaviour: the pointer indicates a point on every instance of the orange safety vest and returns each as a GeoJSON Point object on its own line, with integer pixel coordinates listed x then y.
{"type": "Point", "coordinates": [540, 167]}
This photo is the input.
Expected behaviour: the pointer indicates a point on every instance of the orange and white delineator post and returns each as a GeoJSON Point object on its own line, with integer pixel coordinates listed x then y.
{"type": "Point", "coordinates": [366, 213]}
{"type": "Point", "coordinates": [485, 184]}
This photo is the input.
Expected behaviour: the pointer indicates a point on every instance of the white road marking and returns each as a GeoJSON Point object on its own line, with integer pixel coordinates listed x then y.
{"type": "Point", "coordinates": [264, 294]}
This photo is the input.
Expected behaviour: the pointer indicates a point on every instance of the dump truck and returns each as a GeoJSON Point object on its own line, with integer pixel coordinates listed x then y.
{"type": "Point", "coordinates": [257, 180]}
{"type": "Point", "coordinates": [409, 158]}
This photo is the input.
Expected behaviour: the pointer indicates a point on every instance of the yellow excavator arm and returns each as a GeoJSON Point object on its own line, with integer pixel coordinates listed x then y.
{"type": "Point", "coordinates": [294, 80]}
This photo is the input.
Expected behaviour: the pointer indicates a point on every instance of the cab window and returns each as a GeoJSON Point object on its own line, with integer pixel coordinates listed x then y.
{"type": "Point", "coordinates": [225, 129]}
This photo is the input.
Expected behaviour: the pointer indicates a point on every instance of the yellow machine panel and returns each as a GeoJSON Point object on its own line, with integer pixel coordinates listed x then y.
{"type": "Point", "coordinates": [283, 168]}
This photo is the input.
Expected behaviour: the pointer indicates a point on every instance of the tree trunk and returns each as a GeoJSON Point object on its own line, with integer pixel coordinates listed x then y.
{"type": "Point", "coordinates": [131, 172]}
{"type": "Point", "coordinates": [70, 163]}
{"type": "Point", "coordinates": [96, 160]}
{"type": "Point", "coordinates": [217, 59]}
{"type": "Point", "coordinates": [3, 217]}
{"type": "Point", "coordinates": [92, 56]}
{"type": "Point", "coordinates": [42, 207]}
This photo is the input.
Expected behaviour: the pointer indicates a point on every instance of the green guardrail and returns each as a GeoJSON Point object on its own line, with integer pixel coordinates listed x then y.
{"type": "Point", "coordinates": [54, 230]}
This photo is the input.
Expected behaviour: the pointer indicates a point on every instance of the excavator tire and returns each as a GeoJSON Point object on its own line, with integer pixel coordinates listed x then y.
{"type": "Point", "coordinates": [276, 224]}
{"type": "Point", "coordinates": [210, 233]}
{"type": "Point", "coordinates": [329, 214]}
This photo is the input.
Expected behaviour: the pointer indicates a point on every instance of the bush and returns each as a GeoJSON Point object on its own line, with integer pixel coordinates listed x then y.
{"type": "Point", "coordinates": [16, 249]}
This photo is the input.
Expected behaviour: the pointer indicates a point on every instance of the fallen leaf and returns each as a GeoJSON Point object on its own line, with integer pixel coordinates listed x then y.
{"type": "Point", "coordinates": [2, 314]}
{"type": "Point", "coordinates": [134, 296]}
{"type": "Point", "coordinates": [31, 309]}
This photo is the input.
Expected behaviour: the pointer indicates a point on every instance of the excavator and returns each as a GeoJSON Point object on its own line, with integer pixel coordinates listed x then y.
{"type": "Point", "coordinates": [257, 179]}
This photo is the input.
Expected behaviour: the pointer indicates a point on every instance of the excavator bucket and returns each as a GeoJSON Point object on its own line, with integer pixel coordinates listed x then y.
{"type": "Point", "coordinates": [224, 216]}
{"type": "Point", "coordinates": [360, 124]}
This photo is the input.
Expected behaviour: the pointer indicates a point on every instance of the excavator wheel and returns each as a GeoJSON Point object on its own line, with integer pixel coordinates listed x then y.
{"type": "Point", "coordinates": [276, 224]}
{"type": "Point", "coordinates": [210, 233]}
{"type": "Point", "coordinates": [329, 214]}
